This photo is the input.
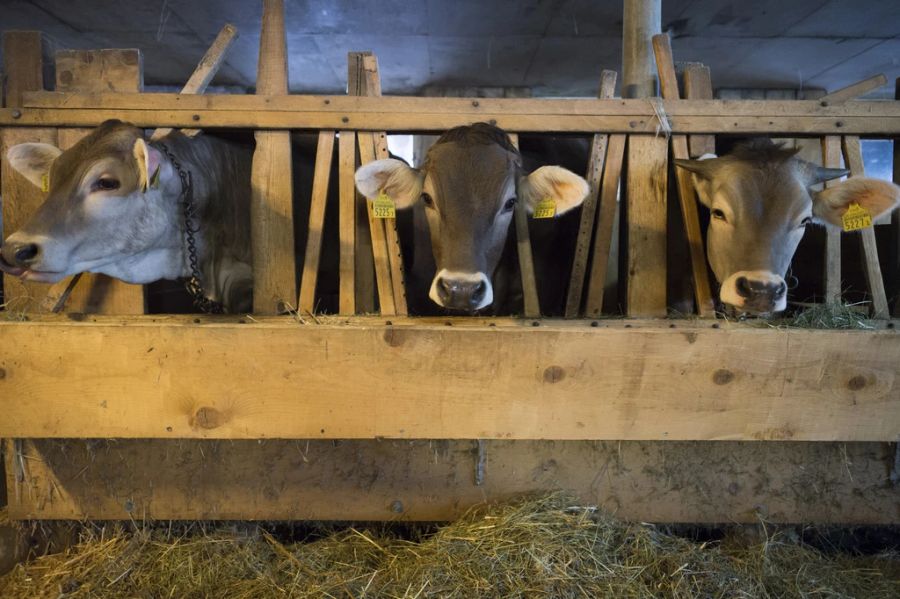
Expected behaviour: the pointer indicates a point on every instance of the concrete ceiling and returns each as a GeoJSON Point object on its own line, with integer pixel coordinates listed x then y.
{"type": "Point", "coordinates": [556, 47]}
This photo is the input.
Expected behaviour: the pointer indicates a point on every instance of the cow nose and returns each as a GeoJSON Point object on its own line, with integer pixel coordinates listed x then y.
{"type": "Point", "coordinates": [25, 254]}
{"type": "Point", "coordinates": [753, 289]}
{"type": "Point", "coordinates": [461, 294]}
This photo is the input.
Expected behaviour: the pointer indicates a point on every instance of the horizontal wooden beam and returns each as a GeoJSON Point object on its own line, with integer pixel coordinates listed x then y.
{"type": "Point", "coordinates": [433, 114]}
{"type": "Point", "coordinates": [276, 378]}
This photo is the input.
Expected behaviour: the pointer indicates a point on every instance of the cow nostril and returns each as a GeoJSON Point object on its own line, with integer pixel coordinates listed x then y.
{"type": "Point", "coordinates": [781, 289]}
{"type": "Point", "coordinates": [743, 287]}
{"type": "Point", "coordinates": [478, 292]}
{"type": "Point", "coordinates": [445, 285]}
{"type": "Point", "coordinates": [26, 253]}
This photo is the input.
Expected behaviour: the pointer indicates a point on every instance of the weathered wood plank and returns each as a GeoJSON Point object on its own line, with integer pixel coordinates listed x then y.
{"type": "Point", "coordinates": [376, 228]}
{"type": "Point", "coordinates": [434, 480]}
{"type": "Point", "coordinates": [531, 302]}
{"type": "Point", "coordinates": [831, 158]}
{"type": "Point", "coordinates": [880, 310]}
{"type": "Point", "coordinates": [271, 203]}
{"type": "Point", "coordinates": [306, 303]}
{"type": "Point", "coordinates": [278, 379]}
{"type": "Point", "coordinates": [698, 86]}
{"type": "Point", "coordinates": [589, 207]}
{"type": "Point", "coordinates": [854, 90]}
{"type": "Point", "coordinates": [646, 195]}
{"type": "Point", "coordinates": [347, 221]}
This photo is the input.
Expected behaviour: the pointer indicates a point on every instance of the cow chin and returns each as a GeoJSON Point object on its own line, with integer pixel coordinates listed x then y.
{"type": "Point", "coordinates": [735, 293]}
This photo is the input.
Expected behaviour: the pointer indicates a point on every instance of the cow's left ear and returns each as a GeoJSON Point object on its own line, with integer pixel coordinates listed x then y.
{"type": "Point", "coordinates": [876, 196]}
{"type": "Point", "coordinates": [33, 161]}
{"type": "Point", "coordinates": [564, 187]}
{"type": "Point", "coordinates": [148, 161]}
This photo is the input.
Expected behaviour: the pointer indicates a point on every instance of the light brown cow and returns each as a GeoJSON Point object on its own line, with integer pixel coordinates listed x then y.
{"type": "Point", "coordinates": [760, 202]}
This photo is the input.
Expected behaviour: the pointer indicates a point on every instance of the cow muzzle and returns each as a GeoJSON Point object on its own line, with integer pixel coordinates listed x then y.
{"type": "Point", "coordinates": [461, 291]}
{"type": "Point", "coordinates": [757, 292]}
{"type": "Point", "coordinates": [25, 258]}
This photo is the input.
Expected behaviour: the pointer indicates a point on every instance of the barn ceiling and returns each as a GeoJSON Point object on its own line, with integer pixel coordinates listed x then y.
{"type": "Point", "coordinates": [556, 47]}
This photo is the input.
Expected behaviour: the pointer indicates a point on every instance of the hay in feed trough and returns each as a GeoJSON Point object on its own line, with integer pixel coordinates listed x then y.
{"type": "Point", "coordinates": [539, 547]}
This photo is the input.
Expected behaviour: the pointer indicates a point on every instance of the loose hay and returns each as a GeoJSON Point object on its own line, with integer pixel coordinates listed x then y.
{"type": "Point", "coordinates": [533, 548]}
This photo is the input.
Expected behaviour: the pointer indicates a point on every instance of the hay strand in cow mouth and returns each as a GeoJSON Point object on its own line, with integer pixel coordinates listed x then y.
{"type": "Point", "coordinates": [538, 547]}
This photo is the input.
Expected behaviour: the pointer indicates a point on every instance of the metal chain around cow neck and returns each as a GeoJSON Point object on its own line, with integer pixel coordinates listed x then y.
{"type": "Point", "coordinates": [193, 284]}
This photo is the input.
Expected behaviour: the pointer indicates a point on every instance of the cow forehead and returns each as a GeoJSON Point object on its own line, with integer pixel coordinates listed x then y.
{"type": "Point", "coordinates": [469, 174]}
{"type": "Point", "coordinates": [770, 192]}
{"type": "Point", "coordinates": [111, 144]}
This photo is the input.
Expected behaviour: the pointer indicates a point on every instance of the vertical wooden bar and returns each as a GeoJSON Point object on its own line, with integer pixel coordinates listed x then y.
{"type": "Point", "coordinates": [606, 218]}
{"type": "Point", "coordinates": [895, 225]}
{"type": "Point", "coordinates": [271, 205]}
{"type": "Point", "coordinates": [532, 305]}
{"type": "Point", "coordinates": [698, 86]}
{"type": "Point", "coordinates": [646, 189]}
{"type": "Point", "coordinates": [23, 64]}
{"type": "Point", "coordinates": [589, 206]}
{"type": "Point", "coordinates": [641, 21]}
{"type": "Point", "coordinates": [97, 71]}
{"type": "Point", "coordinates": [347, 221]}
{"type": "Point", "coordinates": [379, 247]}
{"type": "Point", "coordinates": [306, 303]}
{"type": "Point", "coordinates": [831, 158]}
{"type": "Point", "coordinates": [854, 161]}
{"type": "Point", "coordinates": [665, 65]}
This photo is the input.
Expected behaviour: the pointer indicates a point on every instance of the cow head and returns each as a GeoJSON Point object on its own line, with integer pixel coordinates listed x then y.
{"type": "Point", "coordinates": [760, 202]}
{"type": "Point", "coordinates": [110, 209]}
{"type": "Point", "coordinates": [470, 184]}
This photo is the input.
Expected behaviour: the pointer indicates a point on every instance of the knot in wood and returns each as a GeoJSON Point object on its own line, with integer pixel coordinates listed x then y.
{"type": "Point", "coordinates": [554, 374]}
{"type": "Point", "coordinates": [723, 376]}
{"type": "Point", "coordinates": [856, 383]}
{"type": "Point", "coordinates": [207, 417]}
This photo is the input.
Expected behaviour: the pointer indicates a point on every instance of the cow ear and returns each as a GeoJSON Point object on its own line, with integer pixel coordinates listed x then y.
{"type": "Point", "coordinates": [33, 161]}
{"type": "Point", "coordinates": [702, 171]}
{"type": "Point", "coordinates": [564, 187]}
{"type": "Point", "coordinates": [393, 177]}
{"type": "Point", "coordinates": [148, 161]}
{"type": "Point", "coordinates": [876, 196]}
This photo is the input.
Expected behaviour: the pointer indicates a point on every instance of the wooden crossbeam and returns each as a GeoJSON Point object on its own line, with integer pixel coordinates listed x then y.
{"type": "Point", "coordinates": [589, 207]}
{"type": "Point", "coordinates": [532, 305]}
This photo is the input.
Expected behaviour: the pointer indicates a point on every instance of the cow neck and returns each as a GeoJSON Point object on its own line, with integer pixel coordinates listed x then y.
{"type": "Point", "coordinates": [194, 283]}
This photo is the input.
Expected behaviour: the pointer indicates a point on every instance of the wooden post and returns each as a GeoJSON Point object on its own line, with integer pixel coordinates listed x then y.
{"type": "Point", "coordinates": [641, 21]}
{"type": "Point", "coordinates": [589, 207]}
{"type": "Point", "coordinates": [698, 86]}
{"type": "Point", "coordinates": [306, 303]}
{"type": "Point", "coordinates": [853, 159]}
{"type": "Point", "coordinates": [895, 225]}
{"type": "Point", "coordinates": [271, 206]}
{"type": "Point", "coordinates": [347, 220]}
{"type": "Point", "coordinates": [97, 71]}
{"type": "Point", "coordinates": [831, 158]}
{"type": "Point", "coordinates": [530, 299]}
{"type": "Point", "coordinates": [23, 64]}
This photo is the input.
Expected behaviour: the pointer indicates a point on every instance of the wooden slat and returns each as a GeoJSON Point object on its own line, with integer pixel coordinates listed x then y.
{"type": "Point", "coordinates": [698, 86]}
{"type": "Point", "coordinates": [686, 194]}
{"type": "Point", "coordinates": [589, 207]}
{"type": "Point", "coordinates": [321, 178]}
{"type": "Point", "coordinates": [855, 90]}
{"type": "Point", "coordinates": [853, 158]}
{"type": "Point", "coordinates": [271, 203]}
{"type": "Point", "coordinates": [831, 158]}
{"type": "Point", "coordinates": [647, 183]}
{"type": "Point", "coordinates": [23, 57]}
{"type": "Point", "coordinates": [347, 217]}
{"type": "Point", "coordinates": [277, 379]}
{"type": "Point", "coordinates": [87, 71]}
{"type": "Point", "coordinates": [895, 262]}
{"type": "Point", "coordinates": [531, 302]}
{"type": "Point", "coordinates": [435, 480]}
{"type": "Point", "coordinates": [376, 227]}
{"type": "Point", "coordinates": [204, 73]}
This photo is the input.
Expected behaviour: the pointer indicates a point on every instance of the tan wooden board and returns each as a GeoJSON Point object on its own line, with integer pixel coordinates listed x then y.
{"type": "Point", "coordinates": [321, 177]}
{"type": "Point", "coordinates": [279, 379]}
{"type": "Point", "coordinates": [855, 90]}
{"type": "Point", "coordinates": [383, 281]}
{"type": "Point", "coordinates": [698, 86]}
{"type": "Point", "coordinates": [347, 220]}
{"type": "Point", "coordinates": [831, 158]}
{"type": "Point", "coordinates": [435, 480]}
{"type": "Point", "coordinates": [531, 302]}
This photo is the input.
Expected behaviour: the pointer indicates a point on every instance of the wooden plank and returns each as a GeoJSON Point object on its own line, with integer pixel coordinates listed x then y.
{"type": "Point", "coordinates": [646, 190]}
{"type": "Point", "coordinates": [207, 68]}
{"type": "Point", "coordinates": [668, 81]}
{"type": "Point", "coordinates": [277, 379]}
{"type": "Point", "coordinates": [531, 302]}
{"type": "Point", "coordinates": [589, 207]}
{"type": "Point", "coordinates": [271, 202]}
{"type": "Point", "coordinates": [606, 218]}
{"type": "Point", "coordinates": [851, 92]}
{"type": "Point", "coordinates": [698, 86]}
{"type": "Point", "coordinates": [434, 480]}
{"type": "Point", "coordinates": [376, 228]}
{"type": "Point", "coordinates": [91, 71]}
{"type": "Point", "coordinates": [23, 59]}
{"type": "Point", "coordinates": [641, 20]}
{"type": "Point", "coordinates": [306, 303]}
{"type": "Point", "coordinates": [896, 218]}
{"type": "Point", "coordinates": [347, 217]}
{"type": "Point", "coordinates": [831, 158]}
{"type": "Point", "coordinates": [854, 161]}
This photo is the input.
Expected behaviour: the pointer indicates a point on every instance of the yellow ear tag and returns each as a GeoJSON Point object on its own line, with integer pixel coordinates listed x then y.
{"type": "Point", "coordinates": [546, 208]}
{"type": "Point", "coordinates": [383, 206]}
{"type": "Point", "coordinates": [45, 183]}
{"type": "Point", "coordinates": [856, 218]}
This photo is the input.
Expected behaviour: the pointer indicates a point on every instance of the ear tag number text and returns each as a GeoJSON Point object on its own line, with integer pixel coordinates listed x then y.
{"type": "Point", "coordinates": [383, 206]}
{"type": "Point", "coordinates": [546, 208]}
{"type": "Point", "coordinates": [856, 218]}
{"type": "Point", "coordinates": [45, 183]}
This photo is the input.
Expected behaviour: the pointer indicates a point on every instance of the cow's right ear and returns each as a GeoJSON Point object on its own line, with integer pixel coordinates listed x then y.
{"type": "Point", "coordinates": [393, 177]}
{"type": "Point", "coordinates": [702, 171]}
{"type": "Point", "coordinates": [33, 161]}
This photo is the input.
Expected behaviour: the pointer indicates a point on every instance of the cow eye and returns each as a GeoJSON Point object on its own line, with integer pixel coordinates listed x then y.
{"type": "Point", "coordinates": [510, 204]}
{"type": "Point", "coordinates": [718, 214]}
{"type": "Point", "coordinates": [427, 200]}
{"type": "Point", "coordinates": [806, 221]}
{"type": "Point", "coordinates": [106, 184]}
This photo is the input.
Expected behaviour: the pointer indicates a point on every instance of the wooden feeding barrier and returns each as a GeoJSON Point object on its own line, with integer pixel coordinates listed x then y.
{"type": "Point", "coordinates": [395, 417]}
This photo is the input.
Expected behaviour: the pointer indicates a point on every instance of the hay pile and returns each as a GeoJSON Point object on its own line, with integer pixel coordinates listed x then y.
{"type": "Point", "coordinates": [535, 548]}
